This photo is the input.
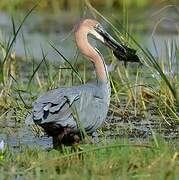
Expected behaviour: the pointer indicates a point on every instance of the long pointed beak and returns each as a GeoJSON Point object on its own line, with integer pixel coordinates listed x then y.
{"type": "Point", "coordinates": [122, 52]}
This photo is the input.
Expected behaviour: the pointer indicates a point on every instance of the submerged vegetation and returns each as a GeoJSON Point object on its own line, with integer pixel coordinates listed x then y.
{"type": "Point", "coordinates": [144, 107]}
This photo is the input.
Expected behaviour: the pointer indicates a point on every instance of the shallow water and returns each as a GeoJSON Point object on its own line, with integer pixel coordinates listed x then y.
{"type": "Point", "coordinates": [135, 129]}
{"type": "Point", "coordinates": [41, 29]}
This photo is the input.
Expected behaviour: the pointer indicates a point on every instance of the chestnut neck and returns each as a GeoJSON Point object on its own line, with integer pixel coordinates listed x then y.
{"type": "Point", "coordinates": [81, 36]}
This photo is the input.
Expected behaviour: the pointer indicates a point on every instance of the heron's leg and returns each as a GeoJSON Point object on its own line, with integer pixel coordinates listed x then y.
{"type": "Point", "coordinates": [76, 147]}
{"type": "Point", "coordinates": [76, 144]}
{"type": "Point", "coordinates": [56, 140]}
{"type": "Point", "coordinates": [95, 137]}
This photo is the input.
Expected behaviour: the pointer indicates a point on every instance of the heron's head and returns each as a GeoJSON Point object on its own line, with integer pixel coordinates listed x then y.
{"type": "Point", "coordinates": [93, 27]}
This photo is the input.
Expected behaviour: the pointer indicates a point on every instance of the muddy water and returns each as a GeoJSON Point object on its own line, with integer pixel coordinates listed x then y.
{"type": "Point", "coordinates": [38, 32]}
{"type": "Point", "coordinates": [15, 134]}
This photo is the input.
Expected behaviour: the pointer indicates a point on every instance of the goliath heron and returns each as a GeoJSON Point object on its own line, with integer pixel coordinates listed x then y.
{"type": "Point", "coordinates": [63, 112]}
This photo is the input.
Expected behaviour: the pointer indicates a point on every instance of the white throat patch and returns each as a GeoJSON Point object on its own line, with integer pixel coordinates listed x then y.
{"type": "Point", "coordinates": [97, 35]}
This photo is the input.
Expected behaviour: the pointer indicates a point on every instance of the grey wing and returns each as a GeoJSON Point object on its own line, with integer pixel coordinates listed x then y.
{"type": "Point", "coordinates": [54, 106]}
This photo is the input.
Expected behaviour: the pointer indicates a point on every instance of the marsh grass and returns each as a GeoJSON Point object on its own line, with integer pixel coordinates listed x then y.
{"type": "Point", "coordinates": [114, 160]}
{"type": "Point", "coordinates": [8, 65]}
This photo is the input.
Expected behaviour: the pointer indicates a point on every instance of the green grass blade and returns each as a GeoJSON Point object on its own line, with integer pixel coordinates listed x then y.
{"type": "Point", "coordinates": [35, 70]}
{"type": "Point", "coordinates": [75, 71]}
{"type": "Point", "coordinates": [17, 32]}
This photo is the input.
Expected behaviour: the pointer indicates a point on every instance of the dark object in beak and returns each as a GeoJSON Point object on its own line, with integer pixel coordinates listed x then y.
{"type": "Point", "coordinates": [121, 52]}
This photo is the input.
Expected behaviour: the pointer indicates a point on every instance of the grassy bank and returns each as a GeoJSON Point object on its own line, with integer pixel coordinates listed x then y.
{"type": "Point", "coordinates": [114, 160]}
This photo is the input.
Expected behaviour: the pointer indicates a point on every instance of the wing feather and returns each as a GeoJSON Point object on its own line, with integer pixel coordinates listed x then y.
{"type": "Point", "coordinates": [55, 107]}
